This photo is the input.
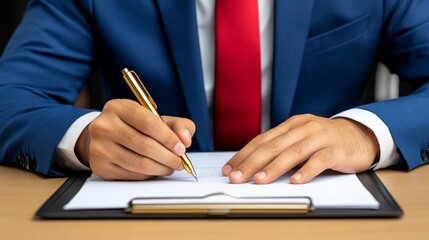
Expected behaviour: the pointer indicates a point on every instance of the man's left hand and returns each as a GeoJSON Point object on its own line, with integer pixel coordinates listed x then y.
{"type": "Point", "coordinates": [313, 143]}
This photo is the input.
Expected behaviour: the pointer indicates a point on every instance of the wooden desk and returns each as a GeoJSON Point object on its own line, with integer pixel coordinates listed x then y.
{"type": "Point", "coordinates": [22, 193]}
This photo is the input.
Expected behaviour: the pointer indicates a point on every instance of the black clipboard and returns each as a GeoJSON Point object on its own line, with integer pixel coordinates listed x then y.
{"type": "Point", "coordinates": [53, 207]}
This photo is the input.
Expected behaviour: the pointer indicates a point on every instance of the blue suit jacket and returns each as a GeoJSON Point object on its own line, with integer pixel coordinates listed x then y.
{"type": "Point", "coordinates": [324, 53]}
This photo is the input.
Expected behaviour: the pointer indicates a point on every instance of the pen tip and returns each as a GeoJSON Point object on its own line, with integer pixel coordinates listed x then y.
{"type": "Point", "coordinates": [195, 176]}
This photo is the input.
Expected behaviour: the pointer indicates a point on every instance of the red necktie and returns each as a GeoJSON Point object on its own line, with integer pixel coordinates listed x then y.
{"type": "Point", "coordinates": [237, 94]}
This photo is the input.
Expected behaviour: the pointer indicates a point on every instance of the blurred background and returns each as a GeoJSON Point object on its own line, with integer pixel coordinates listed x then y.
{"type": "Point", "coordinates": [382, 86]}
{"type": "Point", "coordinates": [11, 12]}
{"type": "Point", "coordinates": [10, 15]}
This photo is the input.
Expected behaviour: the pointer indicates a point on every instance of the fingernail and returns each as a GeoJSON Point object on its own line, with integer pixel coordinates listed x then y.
{"type": "Point", "coordinates": [236, 175]}
{"type": "Point", "coordinates": [226, 170]}
{"type": "Point", "coordinates": [297, 177]}
{"type": "Point", "coordinates": [188, 136]}
{"type": "Point", "coordinates": [260, 175]}
{"type": "Point", "coordinates": [179, 149]}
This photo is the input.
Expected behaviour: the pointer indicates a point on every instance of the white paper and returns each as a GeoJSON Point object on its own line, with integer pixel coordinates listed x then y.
{"type": "Point", "coordinates": [329, 190]}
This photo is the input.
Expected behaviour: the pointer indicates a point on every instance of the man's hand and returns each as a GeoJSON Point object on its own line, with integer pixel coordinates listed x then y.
{"type": "Point", "coordinates": [127, 141]}
{"type": "Point", "coordinates": [313, 143]}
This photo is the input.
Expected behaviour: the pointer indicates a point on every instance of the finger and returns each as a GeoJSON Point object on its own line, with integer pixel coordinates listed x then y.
{"type": "Point", "coordinates": [142, 164]}
{"type": "Point", "coordinates": [287, 126]}
{"type": "Point", "coordinates": [264, 155]}
{"type": "Point", "coordinates": [145, 146]}
{"type": "Point", "coordinates": [247, 151]}
{"type": "Point", "coordinates": [184, 128]}
{"type": "Point", "coordinates": [109, 127]}
{"type": "Point", "coordinates": [318, 163]}
{"type": "Point", "coordinates": [267, 152]}
{"type": "Point", "coordinates": [288, 159]}
{"type": "Point", "coordinates": [125, 159]}
{"type": "Point", "coordinates": [151, 125]}
{"type": "Point", "coordinates": [114, 172]}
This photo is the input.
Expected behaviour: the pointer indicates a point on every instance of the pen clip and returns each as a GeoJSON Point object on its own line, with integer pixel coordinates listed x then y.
{"type": "Point", "coordinates": [146, 92]}
{"type": "Point", "coordinates": [139, 90]}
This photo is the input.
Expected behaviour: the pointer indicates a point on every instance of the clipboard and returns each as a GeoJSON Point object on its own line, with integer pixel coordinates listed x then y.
{"type": "Point", "coordinates": [53, 207]}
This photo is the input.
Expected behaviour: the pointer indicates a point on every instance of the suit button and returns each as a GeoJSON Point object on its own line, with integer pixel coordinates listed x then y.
{"type": "Point", "coordinates": [425, 154]}
{"type": "Point", "coordinates": [19, 160]}
{"type": "Point", "coordinates": [32, 164]}
{"type": "Point", "coordinates": [26, 162]}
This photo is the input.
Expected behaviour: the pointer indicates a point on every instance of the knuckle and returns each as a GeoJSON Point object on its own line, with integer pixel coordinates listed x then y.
{"type": "Point", "coordinates": [317, 158]}
{"type": "Point", "coordinates": [144, 166]}
{"type": "Point", "coordinates": [271, 146]}
{"type": "Point", "coordinates": [323, 158]}
{"type": "Point", "coordinates": [261, 138]}
{"type": "Point", "coordinates": [98, 127]}
{"type": "Point", "coordinates": [291, 121]}
{"type": "Point", "coordinates": [149, 123]}
{"type": "Point", "coordinates": [258, 140]}
{"type": "Point", "coordinates": [295, 118]}
{"type": "Point", "coordinates": [130, 136]}
{"type": "Point", "coordinates": [147, 145]}
{"type": "Point", "coordinates": [315, 125]}
{"type": "Point", "coordinates": [309, 116]}
{"type": "Point", "coordinates": [299, 148]}
{"type": "Point", "coordinates": [111, 105]}
{"type": "Point", "coordinates": [302, 117]}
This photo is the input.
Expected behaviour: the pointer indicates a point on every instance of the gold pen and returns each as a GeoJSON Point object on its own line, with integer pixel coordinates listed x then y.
{"type": "Point", "coordinates": [146, 101]}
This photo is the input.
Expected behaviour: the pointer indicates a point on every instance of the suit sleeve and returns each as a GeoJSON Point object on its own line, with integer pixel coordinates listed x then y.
{"type": "Point", "coordinates": [43, 68]}
{"type": "Point", "coordinates": [405, 50]}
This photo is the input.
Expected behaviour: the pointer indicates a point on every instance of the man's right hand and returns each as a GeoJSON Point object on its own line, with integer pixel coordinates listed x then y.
{"type": "Point", "coordinates": [128, 142]}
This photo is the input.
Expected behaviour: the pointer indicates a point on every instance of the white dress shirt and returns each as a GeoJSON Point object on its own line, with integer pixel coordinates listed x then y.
{"type": "Point", "coordinates": [66, 157]}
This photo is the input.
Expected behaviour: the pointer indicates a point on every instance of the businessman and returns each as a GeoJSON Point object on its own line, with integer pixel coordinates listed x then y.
{"type": "Point", "coordinates": [278, 80]}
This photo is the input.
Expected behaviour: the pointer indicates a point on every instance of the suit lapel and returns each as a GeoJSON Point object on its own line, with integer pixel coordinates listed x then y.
{"type": "Point", "coordinates": [179, 19]}
{"type": "Point", "coordinates": [291, 25]}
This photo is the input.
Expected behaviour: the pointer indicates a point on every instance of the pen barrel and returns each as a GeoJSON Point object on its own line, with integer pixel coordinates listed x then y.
{"type": "Point", "coordinates": [140, 91]}
{"type": "Point", "coordinates": [187, 164]}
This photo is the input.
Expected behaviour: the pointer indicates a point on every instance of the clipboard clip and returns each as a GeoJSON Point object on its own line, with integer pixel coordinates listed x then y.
{"type": "Point", "coordinates": [220, 204]}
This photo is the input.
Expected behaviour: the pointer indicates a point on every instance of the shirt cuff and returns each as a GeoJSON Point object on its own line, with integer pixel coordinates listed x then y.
{"type": "Point", "coordinates": [388, 154]}
{"type": "Point", "coordinates": [65, 156]}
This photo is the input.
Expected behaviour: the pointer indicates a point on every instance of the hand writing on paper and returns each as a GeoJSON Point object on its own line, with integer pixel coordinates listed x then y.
{"type": "Point", "coordinates": [313, 143]}
{"type": "Point", "coordinates": [127, 141]}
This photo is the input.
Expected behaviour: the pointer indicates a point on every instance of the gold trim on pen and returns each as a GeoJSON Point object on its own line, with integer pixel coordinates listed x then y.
{"type": "Point", "coordinates": [219, 209]}
{"type": "Point", "coordinates": [147, 101]}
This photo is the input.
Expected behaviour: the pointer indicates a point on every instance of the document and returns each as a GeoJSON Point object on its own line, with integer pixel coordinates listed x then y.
{"type": "Point", "coordinates": [329, 190]}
